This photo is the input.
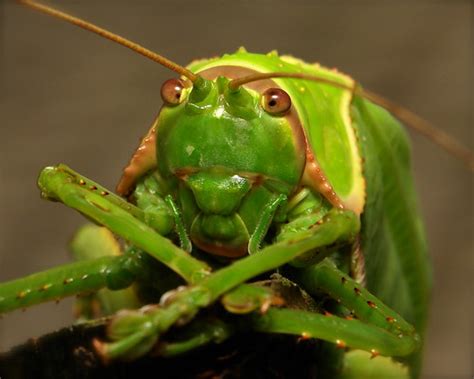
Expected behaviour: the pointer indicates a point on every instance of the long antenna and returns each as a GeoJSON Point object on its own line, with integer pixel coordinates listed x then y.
{"type": "Point", "coordinates": [113, 37]}
{"type": "Point", "coordinates": [437, 136]}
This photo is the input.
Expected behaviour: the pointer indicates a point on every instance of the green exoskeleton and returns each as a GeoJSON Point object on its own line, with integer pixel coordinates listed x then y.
{"type": "Point", "coordinates": [293, 171]}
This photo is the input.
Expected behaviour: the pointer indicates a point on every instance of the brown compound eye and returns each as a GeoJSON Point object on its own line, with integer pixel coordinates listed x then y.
{"type": "Point", "coordinates": [276, 101]}
{"type": "Point", "coordinates": [172, 91]}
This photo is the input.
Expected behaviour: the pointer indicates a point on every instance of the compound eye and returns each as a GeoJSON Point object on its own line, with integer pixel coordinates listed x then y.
{"type": "Point", "coordinates": [276, 101]}
{"type": "Point", "coordinates": [172, 91]}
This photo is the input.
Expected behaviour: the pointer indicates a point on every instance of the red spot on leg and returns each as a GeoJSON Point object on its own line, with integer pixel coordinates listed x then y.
{"type": "Point", "coordinates": [371, 304]}
{"type": "Point", "coordinates": [44, 287]}
{"type": "Point", "coordinates": [21, 294]}
{"type": "Point", "coordinates": [304, 336]}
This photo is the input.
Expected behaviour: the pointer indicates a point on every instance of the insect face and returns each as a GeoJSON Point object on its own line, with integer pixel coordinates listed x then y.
{"type": "Point", "coordinates": [223, 150]}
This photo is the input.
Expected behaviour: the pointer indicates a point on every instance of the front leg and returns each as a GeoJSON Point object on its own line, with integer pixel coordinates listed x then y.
{"type": "Point", "coordinates": [369, 324]}
{"type": "Point", "coordinates": [377, 329]}
{"type": "Point", "coordinates": [113, 272]}
{"type": "Point", "coordinates": [134, 333]}
{"type": "Point", "coordinates": [121, 217]}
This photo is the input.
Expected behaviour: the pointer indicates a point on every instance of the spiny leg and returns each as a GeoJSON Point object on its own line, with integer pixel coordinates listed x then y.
{"type": "Point", "coordinates": [72, 176]}
{"type": "Point", "coordinates": [336, 227]}
{"type": "Point", "coordinates": [343, 332]}
{"type": "Point", "coordinates": [114, 272]}
{"type": "Point", "coordinates": [204, 331]}
{"type": "Point", "coordinates": [305, 324]}
{"type": "Point", "coordinates": [377, 329]}
{"type": "Point", "coordinates": [122, 218]}
{"type": "Point", "coordinates": [380, 330]}
{"type": "Point", "coordinates": [365, 306]}
{"type": "Point", "coordinates": [248, 298]}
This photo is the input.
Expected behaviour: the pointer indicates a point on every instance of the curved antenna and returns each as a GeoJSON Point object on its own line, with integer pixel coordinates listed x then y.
{"type": "Point", "coordinates": [442, 139]}
{"type": "Point", "coordinates": [113, 37]}
{"type": "Point", "coordinates": [437, 136]}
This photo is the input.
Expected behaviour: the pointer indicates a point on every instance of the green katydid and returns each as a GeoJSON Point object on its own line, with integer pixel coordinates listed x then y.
{"type": "Point", "coordinates": [197, 181]}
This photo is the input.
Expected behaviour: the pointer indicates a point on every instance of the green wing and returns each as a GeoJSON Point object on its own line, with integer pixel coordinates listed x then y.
{"type": "Point", "coordinates": [393, 241]}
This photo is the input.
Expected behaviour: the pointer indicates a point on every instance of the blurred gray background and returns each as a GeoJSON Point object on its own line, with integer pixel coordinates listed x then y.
{"type": "Point", "coordinates": [70, 96]}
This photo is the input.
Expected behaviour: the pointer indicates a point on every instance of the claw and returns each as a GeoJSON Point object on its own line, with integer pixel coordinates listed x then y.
{"type": "Point", "coordinates": [101, 350]}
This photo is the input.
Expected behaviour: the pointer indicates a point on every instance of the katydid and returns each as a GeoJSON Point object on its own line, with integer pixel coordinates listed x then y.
{"type": "Point", "coordinates": [202, 188]}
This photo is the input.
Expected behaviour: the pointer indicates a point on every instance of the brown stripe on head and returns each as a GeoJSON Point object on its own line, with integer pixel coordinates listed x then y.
{"type": "Point", "coordinates": [315, 178]}
{"type": "Point", "coordinates": [143, 160]}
